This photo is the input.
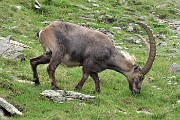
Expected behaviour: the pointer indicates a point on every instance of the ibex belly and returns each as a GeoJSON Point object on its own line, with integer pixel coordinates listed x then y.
{"type": "Point", "coordinates": [66, 61]}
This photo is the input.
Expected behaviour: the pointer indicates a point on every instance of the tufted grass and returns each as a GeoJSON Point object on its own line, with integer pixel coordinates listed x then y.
{"type": "Point", "coordinates": [115, 96]}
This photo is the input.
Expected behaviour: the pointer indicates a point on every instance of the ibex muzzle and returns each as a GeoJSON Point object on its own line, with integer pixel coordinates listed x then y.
{"type": "Point", "coordinates": [73, 45]}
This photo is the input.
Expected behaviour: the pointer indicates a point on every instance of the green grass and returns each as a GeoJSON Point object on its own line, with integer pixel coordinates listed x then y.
{"type": "Point", "coordinates": [115, 95]}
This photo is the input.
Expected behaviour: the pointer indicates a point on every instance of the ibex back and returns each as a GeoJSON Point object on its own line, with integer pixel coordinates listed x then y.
{"type": "Point", "coordinates": [73, 45]}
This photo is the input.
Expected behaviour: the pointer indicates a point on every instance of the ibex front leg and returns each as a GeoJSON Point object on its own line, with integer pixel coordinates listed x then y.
{"type": "Point", "coordinates": [87, 64]}
{"type": "Point", "coordinates": [34, 62]}
{"type": "Point", "coordinates": [54, 62]}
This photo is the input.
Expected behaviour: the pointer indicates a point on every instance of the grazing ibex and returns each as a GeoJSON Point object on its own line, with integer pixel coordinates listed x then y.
{"type": "Point", "coordinates": [73, 45]}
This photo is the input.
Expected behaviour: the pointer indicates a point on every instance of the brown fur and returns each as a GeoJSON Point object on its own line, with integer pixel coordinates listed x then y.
{"type": "Point", "coordinates": [73, 45]}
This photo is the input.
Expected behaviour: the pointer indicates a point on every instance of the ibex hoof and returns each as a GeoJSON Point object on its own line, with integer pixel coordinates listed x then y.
{"type": "Point", "coordinates": [98, 91]}
{"type": "Point", "coordinates": [55, 88]}
{"type": "Point", "coordinates": [77, 88]}
{"type": "Point", "coordinates": [37, 84]}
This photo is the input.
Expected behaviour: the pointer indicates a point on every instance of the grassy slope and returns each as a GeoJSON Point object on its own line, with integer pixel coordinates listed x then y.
{"type": "Point", "coordinates": [115, 94]}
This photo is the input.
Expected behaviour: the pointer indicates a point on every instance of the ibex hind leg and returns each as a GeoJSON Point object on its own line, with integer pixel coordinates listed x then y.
{"type": "Point", "coordinates": [34, 62]}
{"type": "Point", "coordinates": [53, 64]}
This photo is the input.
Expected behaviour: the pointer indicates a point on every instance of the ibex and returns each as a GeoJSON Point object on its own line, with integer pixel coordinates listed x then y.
{"type": "Point", "coordinates": [73, 45]}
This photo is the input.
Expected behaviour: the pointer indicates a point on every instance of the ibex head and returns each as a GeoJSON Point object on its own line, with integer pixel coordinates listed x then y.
{"type": "Point", "coordinates": [136, 75]}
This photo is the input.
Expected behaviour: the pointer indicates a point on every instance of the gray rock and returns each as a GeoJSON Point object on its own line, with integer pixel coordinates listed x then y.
{"type": "Point", "coordinates": [131, 40]}
{"type": "Point", "coordinates": [142, 18]}
{"type": "Point", "coordinates": [18, 7]}
{"type": "Point", "coordinates": [62, 95]}
{"type": "Point", "coordinates": [83, 7]}
{"type": "Point", "coordinates": [162, 44]}
{"type": "Point", "coordinates": [95, 5]}
{"type": "Point", "coordinates": [92, 1]}
{"type": "Point", "coordinates": [47, 22]}
{"type": "Point", "coordinates": [116, 28]}
{"type": "Point", "coordinates": [11, 49]}
{"type": "Point", "coordinates": [37, 4]}
{"type": "Point", "coordinates": [54, 95]}
{"type": "Point", "coordinates": [2, 114]}
{"type": "Point", "coordinates": [173, 50]}
{"type": "Point", "coordinates": [143, 111]}
{"type": "Point", "coordinates": [161, 36]}
{"type": "Point", "coordinates": [130, 29]}
{"type": "Point", "coordinates": [9, 107]}
{"type": "Point", "coordinates": [175, 68]}
{"type": "Point", "coordinates": [178, 29]}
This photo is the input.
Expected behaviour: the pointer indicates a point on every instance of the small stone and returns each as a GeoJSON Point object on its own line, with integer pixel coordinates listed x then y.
{"type": "Point", "coordinates": [83, 7]}
{"type": "Point", "coordinates": [95, 5]}
{"type": "Point", "coordinates": [2, 114]}
{"type": "Point", "coordinates": [175, 68]}
{"type": "Point", "coordinates": [173, 50]}
{"type": "Point", "coordinates": [91, 0]}
{"type": "Point", "coordinates": [18, 7]}
{"type": "Point", "coordinates": [129, 40]}
{"type": "Point", "coordinates": [162, 44]}
{"type": "Point", "coordinates": [151, 79]}
{"type": "Point", "coordinates": [46, 22]}
{"type": "Point", "coordinates": [37, 4]}
{"type": "Point", "coordinates": [116, 28]}
{"type": "Point", "coordinates": [142, 18]}
{"type": "Point", "coordinates": [178, 29]}
{"type": "Point", "coordinates": [143, 111]}
{"type": "Point", "coordinates": [161, 36]}
{"type": "Point", "coordinates": [130, 29]}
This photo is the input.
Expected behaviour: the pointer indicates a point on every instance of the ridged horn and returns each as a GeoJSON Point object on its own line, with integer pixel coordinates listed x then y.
{"type": "Point", "coordinates": [152, 52]}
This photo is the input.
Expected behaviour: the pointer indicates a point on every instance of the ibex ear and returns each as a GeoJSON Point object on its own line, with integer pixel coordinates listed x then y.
{"type": "Point", "coordinates": [136, 68]}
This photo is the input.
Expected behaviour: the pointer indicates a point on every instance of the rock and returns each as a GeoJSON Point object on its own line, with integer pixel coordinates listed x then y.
{"type": "Point", "coordinates": [37, 4]}
{"type": "Point", "coordinates": [178, 29]}
{"type": "Point", "coordinates": [95, 5]}
{"type": "Point", "coordinates": [140, 110]}
{"type": "Point", "coordinates": [92, 1]}
{"type": "Point", "coordinates": [175, 68]}
{"type": "Point", "coordinates": [173, 50]}
{"type": "Point", "coordinates": [156, 87]}
{"type": "Point", "coordinates": [47, 22]}
{"type": "Point", "coordinates": [2, 114]}
{"type": "Point", "coordinates": [18, 7]}
{"type": "Point", "coordinates": [116, 28]}
{"type": "Point", "coordinates": [9, 107]}
{"type": "Point", "coordinates": [83, 7]}
{"type": "Point", "coordinates": [161, 36]}
{"type": "Point", "coordinates": [25, 81]}
{"type": "Point", "coordinates": [162, 44]}
{"type": "Point", "coordinates": [62, 95]}
{"type": "Point", "coordinates": [11, 49]}
{"type": "Point", "coordinates": [130, 28]}
{"type": "Point", "coordinates": [107, 18]}
{"type": "Point", "coordinates": [142, 18]}
{"type": "Point", "coordinates": [131, 40]}
{"type": "Point", "coordinates": [54, 95]}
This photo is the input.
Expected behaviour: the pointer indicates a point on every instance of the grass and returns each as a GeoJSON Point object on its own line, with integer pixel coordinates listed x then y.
{"type": "Point", "coordinates": [115, 96]}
